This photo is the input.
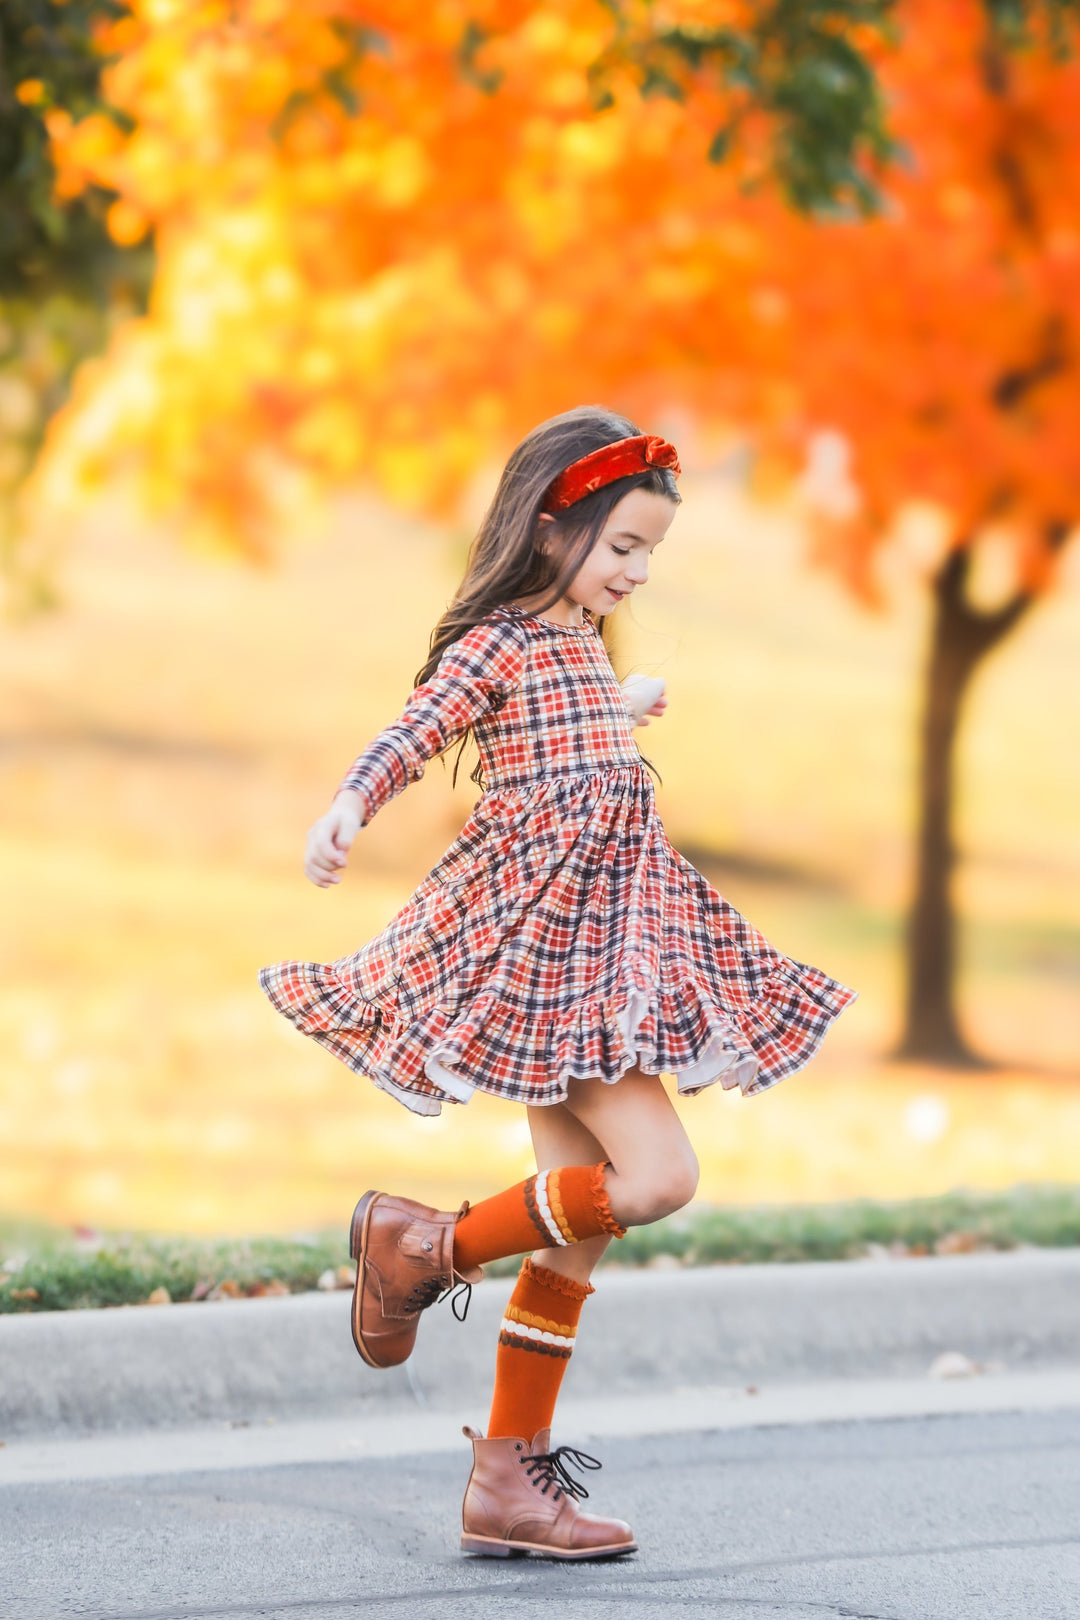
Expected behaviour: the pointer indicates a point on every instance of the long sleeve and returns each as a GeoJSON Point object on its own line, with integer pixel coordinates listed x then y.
{"type": "Point", "coordinates": [475, 674]}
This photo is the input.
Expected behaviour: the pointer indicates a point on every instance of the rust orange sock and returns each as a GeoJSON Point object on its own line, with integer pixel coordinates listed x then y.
{"type": "Point", "coordinates": [548, 1211]}
{"type": "Point", "coordinates": [535, 1344]}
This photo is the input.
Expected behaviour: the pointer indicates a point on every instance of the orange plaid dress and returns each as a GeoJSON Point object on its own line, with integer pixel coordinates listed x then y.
{"type": "Point", "coordinates": [561, 936]}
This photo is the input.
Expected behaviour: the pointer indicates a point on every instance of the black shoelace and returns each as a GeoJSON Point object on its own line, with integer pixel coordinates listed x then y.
{"type": "Point", "coordinates": [432, 1290]}
{"type": "Point", "coordinates": [551, 1467]}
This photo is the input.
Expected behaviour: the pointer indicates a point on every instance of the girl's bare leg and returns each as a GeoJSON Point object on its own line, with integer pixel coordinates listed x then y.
{"type": "Point", "coordinates": [558, 1139]}
{"type": "Point", "coordinates": [632, 1124]}
{"type": "Point", "coordinates": [654, 1170]}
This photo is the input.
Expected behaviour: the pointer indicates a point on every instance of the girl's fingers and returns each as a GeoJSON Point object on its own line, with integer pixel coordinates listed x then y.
{"type": "Point", "coordinates": [323, 863]}
{"type": "Point", "coordinates": [321, 875]}
{"type": "Point", "coordinates": [326, 869]}
{"type": "Point", "coordinates": [328, 845]}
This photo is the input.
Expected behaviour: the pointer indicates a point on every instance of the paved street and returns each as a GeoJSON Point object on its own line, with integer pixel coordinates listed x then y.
{"type": "Point", "coordinates": [973, 1517]}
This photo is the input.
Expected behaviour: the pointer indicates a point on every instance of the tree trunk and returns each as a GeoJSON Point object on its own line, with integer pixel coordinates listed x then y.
{"type": "Point", "coordinates": [960, 638]}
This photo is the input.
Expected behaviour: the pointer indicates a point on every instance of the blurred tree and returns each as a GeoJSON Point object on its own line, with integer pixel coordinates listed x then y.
{"type": "Point", "coordinates": [941, 340]}
{"type": "Point", "coordinates": [390, 247]}
{"type": "Point", "coordinates": [63, 279]}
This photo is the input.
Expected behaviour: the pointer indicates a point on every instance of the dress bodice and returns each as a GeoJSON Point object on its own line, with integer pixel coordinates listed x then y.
{"type": "Point", "coordinates": [565, 717]}
{"type": "Point", "coordinates": [542, 699]}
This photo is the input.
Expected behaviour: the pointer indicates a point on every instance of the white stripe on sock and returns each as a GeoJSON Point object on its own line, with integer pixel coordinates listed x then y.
{"type": "Point", "coordinates": [541, 1195]}
{"type": "Point", "coordinates": [520, 1330]}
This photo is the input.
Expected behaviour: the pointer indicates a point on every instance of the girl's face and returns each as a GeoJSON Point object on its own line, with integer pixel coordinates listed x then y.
{"type": "Point", "coordinates": [619, 560]}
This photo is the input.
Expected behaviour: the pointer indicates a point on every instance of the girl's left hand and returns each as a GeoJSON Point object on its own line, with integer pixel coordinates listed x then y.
{"type": "Point", "coordinates": [658, 708]}
{"type": "Point", "coordinates": [644, 695]}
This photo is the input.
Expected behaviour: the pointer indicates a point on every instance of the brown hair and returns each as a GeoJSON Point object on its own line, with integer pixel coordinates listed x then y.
{"type": "Point", "coordinates": [504, 560]}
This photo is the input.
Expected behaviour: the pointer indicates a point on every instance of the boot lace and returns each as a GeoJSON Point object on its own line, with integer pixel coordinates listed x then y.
{"type": "Point", "coordinates": [552, 1467]}
{"type": "Point", "coordinates": [433, 1290]}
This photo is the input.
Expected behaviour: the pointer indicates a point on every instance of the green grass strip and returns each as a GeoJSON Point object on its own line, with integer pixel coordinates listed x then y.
{"type": "Point", "coordinates": [47, 1270]}
{"type": "Point", "coordinates": [125, 1271]}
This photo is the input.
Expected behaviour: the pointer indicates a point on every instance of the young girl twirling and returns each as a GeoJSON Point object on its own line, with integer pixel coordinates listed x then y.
{"type": "Point", "coordinates": [561, 955]}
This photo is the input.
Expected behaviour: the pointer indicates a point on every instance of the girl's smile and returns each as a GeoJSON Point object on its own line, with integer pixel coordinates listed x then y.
{"type": "Point", "coordinates": [619, 560]}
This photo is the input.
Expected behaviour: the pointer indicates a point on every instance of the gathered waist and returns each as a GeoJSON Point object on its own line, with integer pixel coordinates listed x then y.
{"type": "Point", "coordinates": [513, 783]}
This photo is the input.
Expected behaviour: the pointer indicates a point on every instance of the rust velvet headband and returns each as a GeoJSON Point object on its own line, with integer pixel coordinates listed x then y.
{"type": "Point", "coordinates": [622, 459]}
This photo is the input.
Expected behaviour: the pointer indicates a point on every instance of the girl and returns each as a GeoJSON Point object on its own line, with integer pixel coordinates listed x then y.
{"type": "Point", "coordinates": [561, 955]}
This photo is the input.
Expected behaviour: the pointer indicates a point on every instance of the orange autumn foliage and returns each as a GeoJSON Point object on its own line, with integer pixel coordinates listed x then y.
{"type": "Point", "coordinates": [386, 247]}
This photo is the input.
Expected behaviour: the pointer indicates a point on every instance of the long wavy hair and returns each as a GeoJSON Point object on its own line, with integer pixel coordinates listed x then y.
{"type": "Point", "coordinates": [505, 561]}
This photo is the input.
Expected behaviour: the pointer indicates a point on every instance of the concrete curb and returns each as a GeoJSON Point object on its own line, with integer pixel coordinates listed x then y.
{"type": "Point", "coordinates": [87, 1372]}
{"type": "Point", "coordinates": [38, 1459]}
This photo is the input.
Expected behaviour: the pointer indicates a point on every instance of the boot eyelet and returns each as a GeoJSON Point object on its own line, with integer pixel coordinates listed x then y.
{"type": "Point", "coordinates": [518, 1446]}
{"type": "Point", "coordinates": [427, 1247]}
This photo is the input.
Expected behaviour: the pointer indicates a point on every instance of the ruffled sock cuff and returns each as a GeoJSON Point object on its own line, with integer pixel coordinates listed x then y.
{"type": "Point", "coordinates": [602, 1203]}
{"type": "Point", "coordinates": [556, 1282]}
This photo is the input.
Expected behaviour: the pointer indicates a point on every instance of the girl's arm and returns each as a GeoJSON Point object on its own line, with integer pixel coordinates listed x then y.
{"type": "Point", "coordinates": [475, 674]}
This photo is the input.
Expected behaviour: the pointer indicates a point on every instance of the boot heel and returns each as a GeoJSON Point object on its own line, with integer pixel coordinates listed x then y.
{"type": "Point", "coordinates": [489, 1549]}
{"type": "Point", "coordinates": [356, 1230]}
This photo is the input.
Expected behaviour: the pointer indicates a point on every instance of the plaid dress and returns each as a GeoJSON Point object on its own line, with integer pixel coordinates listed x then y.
{"type": "Point", "coordinates": [561, 936]}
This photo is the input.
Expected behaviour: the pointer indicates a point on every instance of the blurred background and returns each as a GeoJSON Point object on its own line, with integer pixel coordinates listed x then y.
{"type": "Point", "coordinates": [279, 289]}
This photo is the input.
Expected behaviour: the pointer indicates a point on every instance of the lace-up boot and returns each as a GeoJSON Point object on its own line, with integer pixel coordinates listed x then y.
{"type": "Point", "coordinates": [521, 1499]}
{"type": "Point", "coordinates": [405, 1262]}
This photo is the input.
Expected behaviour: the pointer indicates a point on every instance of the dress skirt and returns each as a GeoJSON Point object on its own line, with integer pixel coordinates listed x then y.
{"type": "Point", "coordinates": [561, 937]}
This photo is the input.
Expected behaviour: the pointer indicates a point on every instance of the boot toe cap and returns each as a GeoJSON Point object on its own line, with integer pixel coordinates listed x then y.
{"type": "Point", "coordinates": [591, 1534]}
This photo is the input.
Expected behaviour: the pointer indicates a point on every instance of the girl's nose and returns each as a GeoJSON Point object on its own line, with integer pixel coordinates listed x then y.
{"type": "Point", "coordinates": [637, 570]}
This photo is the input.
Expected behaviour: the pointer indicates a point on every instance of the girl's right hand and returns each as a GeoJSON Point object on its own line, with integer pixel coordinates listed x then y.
{"type": "Point", "coordinates": [330, 839]}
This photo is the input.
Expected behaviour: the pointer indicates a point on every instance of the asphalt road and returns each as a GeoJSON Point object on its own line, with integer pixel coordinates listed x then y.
{"type": "Point", "coordinates": [973, 1517]}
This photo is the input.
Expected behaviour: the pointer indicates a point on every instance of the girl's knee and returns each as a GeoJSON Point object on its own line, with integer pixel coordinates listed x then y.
{"type": "Point", "coordinates": [659, 1190]}
{"type": "Point", "coordinates": [679, 1184]}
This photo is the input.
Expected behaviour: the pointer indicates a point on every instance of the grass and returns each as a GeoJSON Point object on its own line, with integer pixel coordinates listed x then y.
{"type": "Point", "coordinates": [62, 1276]}
{"type": "Point", "coordinates": [56, 1272]}
{"type": "Point", "coordinates": [956, 1222]}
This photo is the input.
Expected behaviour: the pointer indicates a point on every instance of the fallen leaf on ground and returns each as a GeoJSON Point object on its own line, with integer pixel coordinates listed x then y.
{"type": "Point", "coordinates": [24, 1293]}
{"type": "Point", "coordinates": [229, 1289]}
{"type": "Point", "coordinates": [956, 1243]}
{"type": "Point", "coordinates": [346, 1276]}
{"type": "Point", "coordinates": [160, 1296]}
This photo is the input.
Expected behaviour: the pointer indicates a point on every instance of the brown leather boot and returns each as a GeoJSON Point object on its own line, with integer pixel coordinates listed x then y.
{"type": "Point", "coordinates": [521, 1499]}
{"type": "Point", "coordinates": [405, 1262]}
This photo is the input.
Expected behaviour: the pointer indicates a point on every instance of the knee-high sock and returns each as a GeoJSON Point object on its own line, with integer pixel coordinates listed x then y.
{"type": "Point", "coordinates": [548, 1211]}
{"type": "Point", "coordinates": [535, 1343]}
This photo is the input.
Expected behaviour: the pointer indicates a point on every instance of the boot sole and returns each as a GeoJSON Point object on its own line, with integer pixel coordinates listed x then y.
{"type": "Point", "coordinates": [488, 1547]}
{"type": "Point", "coordinates": [358, 1235]}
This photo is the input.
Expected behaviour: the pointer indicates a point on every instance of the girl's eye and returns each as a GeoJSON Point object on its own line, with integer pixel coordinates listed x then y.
{"type": "Point", "coordinates": [621, 551]}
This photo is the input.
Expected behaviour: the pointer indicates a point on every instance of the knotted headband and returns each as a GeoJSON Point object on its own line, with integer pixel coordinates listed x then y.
{"type": "Point", "coordinates": [619, 460]}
